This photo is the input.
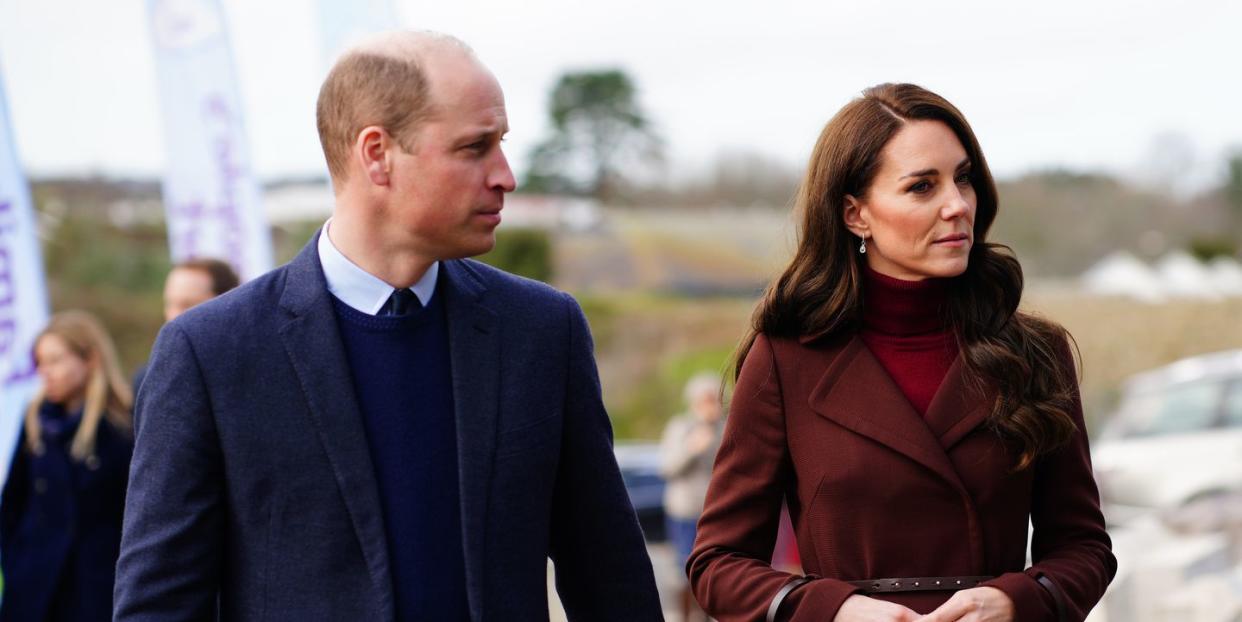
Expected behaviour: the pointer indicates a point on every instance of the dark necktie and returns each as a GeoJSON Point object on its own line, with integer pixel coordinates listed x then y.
{"type": "Point", "coordinates": [401, 302]}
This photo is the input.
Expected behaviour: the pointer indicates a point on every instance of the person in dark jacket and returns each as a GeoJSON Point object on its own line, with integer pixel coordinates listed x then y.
{"type": "Point", "coordinates": [60, 532]}
{"type": "Point", "coordinates": [383, 429]}
{"type": "Point", "coordinates": [893, 395]}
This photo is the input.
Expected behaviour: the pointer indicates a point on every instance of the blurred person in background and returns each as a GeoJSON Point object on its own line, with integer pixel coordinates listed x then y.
{"type": "Point", "coordinates": [189, 284]}
{"type": "Point", "coordinates": [382, 429]}
{"type": "Point", "coordinates": [60, 517]}
{"type": "Point", "coordinates": [892, 392]}
{"type": "Point", "coordinates": [195, 281]}
{"type": "Point", "coordinates": [687, 451]}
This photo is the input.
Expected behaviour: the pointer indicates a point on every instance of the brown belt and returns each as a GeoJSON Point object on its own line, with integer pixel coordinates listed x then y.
{"type": "Point", "coordinates": [918, 584]}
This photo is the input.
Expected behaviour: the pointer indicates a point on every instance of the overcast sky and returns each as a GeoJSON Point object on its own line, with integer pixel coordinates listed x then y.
{"type": "Point", "coordinates": [1055, 83]}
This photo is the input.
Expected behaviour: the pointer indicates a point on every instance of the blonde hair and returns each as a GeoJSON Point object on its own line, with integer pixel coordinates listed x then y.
{"type": "Point", "coordinates": [108, 394]}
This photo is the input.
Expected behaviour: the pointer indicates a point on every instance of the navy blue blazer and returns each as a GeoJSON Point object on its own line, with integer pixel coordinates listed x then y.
{"type": "Point", "coordinates": [252, 488]}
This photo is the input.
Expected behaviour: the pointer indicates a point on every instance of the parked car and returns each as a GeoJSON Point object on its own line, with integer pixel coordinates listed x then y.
{"type": "Point", "coordinates": [640, 468]}
{"type": "Point", "coordinates": [1175, 439]}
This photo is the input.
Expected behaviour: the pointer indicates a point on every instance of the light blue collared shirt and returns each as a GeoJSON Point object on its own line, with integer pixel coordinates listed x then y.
{"type": "Point", "coordinates": [360, 289]}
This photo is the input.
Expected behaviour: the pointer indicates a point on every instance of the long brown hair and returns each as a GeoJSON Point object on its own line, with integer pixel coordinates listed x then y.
{"type": "Point", "coordinates": [819, 294]}
{"type": "Point", "coordinates": [108, 394]}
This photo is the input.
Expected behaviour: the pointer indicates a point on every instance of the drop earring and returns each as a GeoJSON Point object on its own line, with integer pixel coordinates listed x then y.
{"type": "Point", "coordinates": [862, 248]}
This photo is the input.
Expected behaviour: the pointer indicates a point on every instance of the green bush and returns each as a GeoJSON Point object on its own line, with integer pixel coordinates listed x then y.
{"type": "Point", "coordinates": [1205, 248]}
{"type": "Point", "coordinates": [525, 252]}
{"type": "Point", "coordinates": [116, 274]}
{"type": "Point", "coordinates": [643, 412]}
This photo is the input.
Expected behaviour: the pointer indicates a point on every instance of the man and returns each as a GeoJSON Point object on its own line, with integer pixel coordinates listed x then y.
{"type": "Point", "coordinates": [195, 281]}
{"type": "Point", "coordinates": [189, 284]}
{"type": "Point", "coordinates": [380, 430]}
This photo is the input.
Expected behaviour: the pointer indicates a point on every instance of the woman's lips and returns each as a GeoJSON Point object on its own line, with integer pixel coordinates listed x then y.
{"type": "Point", "coordinates": [954, 241]}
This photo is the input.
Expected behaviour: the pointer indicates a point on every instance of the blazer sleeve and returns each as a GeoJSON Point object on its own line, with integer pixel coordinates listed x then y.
{"type": "Point", "coordinates": [1070, 547]}
{"type": "Point", "coordinates": [172, 536]}
{"type": "Point", "coordinates": [602, 568]}
{"type": "Point", "coordinates": [730, 568]}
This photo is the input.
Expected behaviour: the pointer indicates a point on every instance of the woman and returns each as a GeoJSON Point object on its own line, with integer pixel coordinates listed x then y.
{"type": "Point", "coordinates": [892, 394]}
{"type": "Point", "coordinates": [60, 518]}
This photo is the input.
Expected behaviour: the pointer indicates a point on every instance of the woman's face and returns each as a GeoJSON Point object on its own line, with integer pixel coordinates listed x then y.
{"type": "Point", "coordinates": [63, 372]}
{"type": "Point", "coordinates": [918, 215]}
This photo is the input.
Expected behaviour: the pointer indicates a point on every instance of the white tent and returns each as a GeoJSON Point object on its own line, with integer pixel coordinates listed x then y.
{"type": "Point", "coordinates": [1184, 276]}
{"type": "Point", "coordinates": [1122, 274]}
{"type": "Point", "coordinates": [1226, 275]}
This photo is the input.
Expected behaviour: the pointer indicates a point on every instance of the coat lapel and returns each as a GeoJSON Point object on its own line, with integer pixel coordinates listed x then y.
{"type": "Point", "coordinates": [857, 393]}
{"type": "Point", "coordinates": [957, 407]}
{"type": "Point", "coordinates": [312, 340]}
{"type": "Point", "coordinates": [474, 349]}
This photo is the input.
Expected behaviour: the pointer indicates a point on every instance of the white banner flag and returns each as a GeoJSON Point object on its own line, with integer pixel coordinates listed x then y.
{"type": "Point", "coordinates": [211, 195]}
{"type": "Point", "coordinates": [23, 294]}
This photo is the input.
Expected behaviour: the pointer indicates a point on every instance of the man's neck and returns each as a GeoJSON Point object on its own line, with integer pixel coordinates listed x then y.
{"type": "Point", "coordinates": [367, 247]}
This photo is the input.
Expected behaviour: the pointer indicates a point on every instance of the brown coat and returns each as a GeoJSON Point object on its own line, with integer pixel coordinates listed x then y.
{"type": "Point", "coordinates": [876, 491]}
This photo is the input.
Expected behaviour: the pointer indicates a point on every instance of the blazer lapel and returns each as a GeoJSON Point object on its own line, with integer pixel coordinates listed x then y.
{"type": "Point", "coordinates": [957, 407]}
{"type": "Point", "coordinates": [857, 393]}
{"type": "Point", "coordinates": [474, 349]}
{"type": "Point", "coordinates": [313, 343]}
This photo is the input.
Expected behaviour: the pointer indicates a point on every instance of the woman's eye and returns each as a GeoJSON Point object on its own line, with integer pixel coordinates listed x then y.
{"type": "Point", "coordinates": [920, 187]}
{"type": "Point", "coordinates": [964, 178]}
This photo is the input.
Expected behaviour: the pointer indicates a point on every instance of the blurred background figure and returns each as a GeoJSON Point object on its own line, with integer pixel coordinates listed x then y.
{"type": "Point", "coordinates": [195, 281]}
{"type": "Point", "coordinates": [191, 283]}
{"type": "Point", "coordinates": [60, 517]}
{"type": "Point", "coordinates": [687, 452]}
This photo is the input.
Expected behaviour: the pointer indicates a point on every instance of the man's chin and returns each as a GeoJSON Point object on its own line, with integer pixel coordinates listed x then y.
{"type": "Point", "coordinates": [474, 249]}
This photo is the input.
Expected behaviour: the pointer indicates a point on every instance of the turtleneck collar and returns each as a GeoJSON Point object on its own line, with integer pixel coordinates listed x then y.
{"type": "Point", "coordinates": [903, 308]}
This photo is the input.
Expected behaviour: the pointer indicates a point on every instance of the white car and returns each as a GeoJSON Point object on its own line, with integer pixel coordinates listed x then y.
{"type": "Point", "coordinates": [1175, 439]}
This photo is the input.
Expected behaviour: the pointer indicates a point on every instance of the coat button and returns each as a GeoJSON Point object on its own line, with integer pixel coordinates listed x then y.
{"type": "Point", "coordinates": [92, 462]}
{"type": "Point", "coordinates": [40, 485]}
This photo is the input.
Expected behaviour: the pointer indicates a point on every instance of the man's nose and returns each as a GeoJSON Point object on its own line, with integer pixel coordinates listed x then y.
{"type": "Point", "coordinates": [501, 175]}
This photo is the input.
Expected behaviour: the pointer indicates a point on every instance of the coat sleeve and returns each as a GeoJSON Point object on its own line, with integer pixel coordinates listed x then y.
{"type": "Point", "coordinates": [1070, 546]}
{"type": "Point", "coordinates": [602, 568]}
{"type": "Point", "coordinates": [173, 535]}
{"type": "Point", "coordinates": [16, 490]}
{"type": "Point", "coordinates": [730, 569]}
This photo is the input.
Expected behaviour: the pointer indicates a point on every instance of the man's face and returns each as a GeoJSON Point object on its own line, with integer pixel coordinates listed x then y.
{"type": "Point", "coordinates": [448, 190]}
{"type": "Point", "coordinates": [185, 288]}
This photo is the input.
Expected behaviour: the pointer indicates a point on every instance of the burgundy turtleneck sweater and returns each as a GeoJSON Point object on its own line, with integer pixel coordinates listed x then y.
{"type": "Point", "coordinates": [903, 325]}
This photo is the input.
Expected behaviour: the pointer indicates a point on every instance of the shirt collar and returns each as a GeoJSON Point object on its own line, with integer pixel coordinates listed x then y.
{"type": "Point", "coordinates": [360, 289]}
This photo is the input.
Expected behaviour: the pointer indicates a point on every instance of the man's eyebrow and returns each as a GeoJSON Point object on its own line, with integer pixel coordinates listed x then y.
{"type": "Point", "coordinates": [932, 171]}
{"type": "Point", "coordinates": [484, 133]}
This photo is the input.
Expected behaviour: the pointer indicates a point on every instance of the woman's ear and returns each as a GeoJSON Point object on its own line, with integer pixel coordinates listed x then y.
{"type": "Point", "coordinates": [855, 217]}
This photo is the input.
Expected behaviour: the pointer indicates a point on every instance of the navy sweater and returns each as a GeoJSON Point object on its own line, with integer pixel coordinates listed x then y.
{"type": "Point", "coordinates": [401, 372]}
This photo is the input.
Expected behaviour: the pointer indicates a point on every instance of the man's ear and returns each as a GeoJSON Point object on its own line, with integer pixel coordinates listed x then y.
{"type": "Point", "coordinates": [373, 152]}
{"type": "Point", "coordinates": [855, 217]}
